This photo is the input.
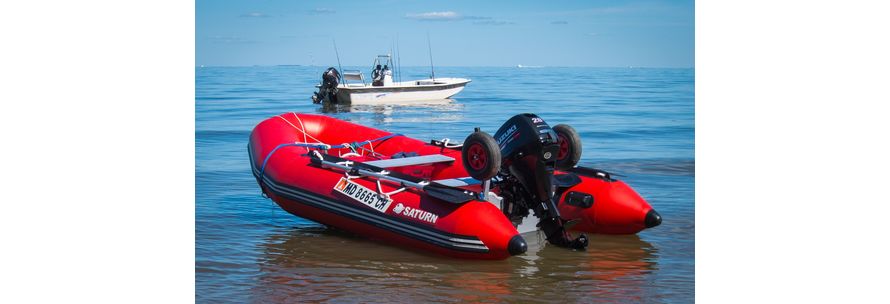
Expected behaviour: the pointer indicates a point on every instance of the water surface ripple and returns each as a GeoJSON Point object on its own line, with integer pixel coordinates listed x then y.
{"type": "Point", "coordinates": [635, 122]}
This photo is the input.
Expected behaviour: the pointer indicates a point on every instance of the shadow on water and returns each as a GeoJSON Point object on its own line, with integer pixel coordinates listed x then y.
{"type": "Point", "coordinates": [310, 264]}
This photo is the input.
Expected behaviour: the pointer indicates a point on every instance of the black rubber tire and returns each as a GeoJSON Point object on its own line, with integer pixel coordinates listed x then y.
{"type": "Point", "coordinates": [481, 156]}
{"type": "Point", "coordinates": [572, 146]}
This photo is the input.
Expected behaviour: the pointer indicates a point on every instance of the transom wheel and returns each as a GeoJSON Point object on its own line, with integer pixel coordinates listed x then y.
{"type": "Point", "coordinates": [569, 147]}
{"type": "Point", "coordinates": [481, 156]}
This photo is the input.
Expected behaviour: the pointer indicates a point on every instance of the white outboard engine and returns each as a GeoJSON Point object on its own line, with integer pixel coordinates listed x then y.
{"type": "Point", "coordinates": [527, 151]}
{"type": "Point", "coordinates": [327, 92]}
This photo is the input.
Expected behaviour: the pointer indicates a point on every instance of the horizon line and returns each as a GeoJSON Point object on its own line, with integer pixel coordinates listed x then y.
{"type": "Point", "coordinates": [452, 66]}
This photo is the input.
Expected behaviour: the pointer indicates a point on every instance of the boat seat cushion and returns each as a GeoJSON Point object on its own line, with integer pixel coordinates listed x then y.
{"type": "Point", "coordinates": [411, 161]}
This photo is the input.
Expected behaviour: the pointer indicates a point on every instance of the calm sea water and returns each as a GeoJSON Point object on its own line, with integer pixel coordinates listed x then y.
{"type": "Point", "coordinates": [635, 122]}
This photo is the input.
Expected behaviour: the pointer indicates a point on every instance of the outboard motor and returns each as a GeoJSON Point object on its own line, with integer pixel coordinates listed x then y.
{"type": "Point", "coordinates": [528, 149]}
{"type": "Point", "coordinates": [330, 79]}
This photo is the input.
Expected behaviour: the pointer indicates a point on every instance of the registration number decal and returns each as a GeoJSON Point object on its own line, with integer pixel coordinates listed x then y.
{"type": "Point", "coordinates": [363, 195]}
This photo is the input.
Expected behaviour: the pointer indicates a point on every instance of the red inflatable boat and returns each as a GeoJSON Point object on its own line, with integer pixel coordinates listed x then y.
{"type": "Point", "coordinates": [462, 200]}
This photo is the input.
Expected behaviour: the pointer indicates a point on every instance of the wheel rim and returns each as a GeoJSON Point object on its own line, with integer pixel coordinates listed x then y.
{"type": "Point", "coordinates": [563, 148]}
{"type": "Point", "coordinates": [477, 157]}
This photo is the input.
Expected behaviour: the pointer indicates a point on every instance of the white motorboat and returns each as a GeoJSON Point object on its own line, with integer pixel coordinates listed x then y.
{"type": "Point", "coordinates": [352, 88]}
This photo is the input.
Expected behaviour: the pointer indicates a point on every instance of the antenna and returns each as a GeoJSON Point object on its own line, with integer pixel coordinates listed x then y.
{"type": "Point", "coordinates": [429, 45]}
{"type": "Point", "coordinates": [338, 59]}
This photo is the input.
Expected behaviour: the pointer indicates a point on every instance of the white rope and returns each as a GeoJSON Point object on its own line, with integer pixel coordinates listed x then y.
{"type": "Point", "coordinates": [348, 163]}
{"type": "Point", "coordinates": [348, 146]}
{"type": "Point", "coordinates": [301, 129]}
{"type": "Point", "coordinates": [372, 153]}
{"type": "Point", "coordinates": [288, 122]}
{"type": "Point", "coordinates": [445, 143]}
{"type": "Point", "coordinates": [306, 135]}
{"type": "Point", "coordinates": [295, 127]}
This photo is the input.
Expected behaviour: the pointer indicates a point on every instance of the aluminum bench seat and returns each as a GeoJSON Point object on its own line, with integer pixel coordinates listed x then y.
{"type": "Point", "coordinates": [458, 182]}
{"type": "Point", "coordinates": [410, 161]}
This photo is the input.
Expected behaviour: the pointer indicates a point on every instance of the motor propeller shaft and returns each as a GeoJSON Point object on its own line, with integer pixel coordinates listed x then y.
{"type": "Point", "coordinates": [554, 230]}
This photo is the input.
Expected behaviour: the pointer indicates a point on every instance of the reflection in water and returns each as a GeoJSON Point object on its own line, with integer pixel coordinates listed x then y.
{"type": "Point", "coordinates": [442, 104]}
{"type": "Point", "coordinates": [318, 264]}
{"type": "Point", "coordinates": [409, 112]}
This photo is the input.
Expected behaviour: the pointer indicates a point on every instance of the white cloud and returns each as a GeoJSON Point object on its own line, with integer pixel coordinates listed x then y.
{"type": "Point", "coordinates": [319, 11]}
{"type": "Point", "coordinates": [435, 16]}
{"type": "Point", "coordinates": [254, 15]}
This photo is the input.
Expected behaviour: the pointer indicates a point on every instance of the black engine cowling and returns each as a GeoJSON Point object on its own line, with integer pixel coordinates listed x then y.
{"type": "Point", "coordinates": [327, 92]}
{"type": "Point", "coordinates": [529, 149]}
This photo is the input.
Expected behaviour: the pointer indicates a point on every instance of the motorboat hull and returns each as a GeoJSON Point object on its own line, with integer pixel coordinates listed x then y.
{"type": "Point", "coordinates": [371, 95]}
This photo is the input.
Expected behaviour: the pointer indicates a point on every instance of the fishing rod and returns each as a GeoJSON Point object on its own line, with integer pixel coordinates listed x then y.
{"type": "Point", "coordinates": [429, 45]}
{"type": "Point", "coordinates": [390, 62]}
{"type": "Point", "coordinates": [338, 60]}
{"type": "Point", "coordinates": [399, 49]}
{"type": "Point", "coordinates": [398, 59]}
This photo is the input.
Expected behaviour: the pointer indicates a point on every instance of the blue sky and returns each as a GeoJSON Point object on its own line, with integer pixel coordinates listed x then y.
{"type": "Point", "coordinates": [463, 33]}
